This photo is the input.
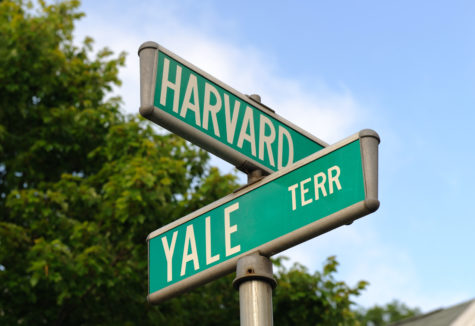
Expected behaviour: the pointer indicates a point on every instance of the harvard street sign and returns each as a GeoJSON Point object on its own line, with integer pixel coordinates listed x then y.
{"type": "Point", "coordinates": [189, 102]}
{"type": "Point", "coordinates": [323, 191]}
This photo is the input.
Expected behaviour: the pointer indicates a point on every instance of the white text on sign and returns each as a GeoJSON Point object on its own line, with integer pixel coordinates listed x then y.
{"type": "Point", "coordinates": [206, 115]}
{"type": "Point", "coordinates": [190, 252]}
{"type": "Point", "coordinates": [320, 182]}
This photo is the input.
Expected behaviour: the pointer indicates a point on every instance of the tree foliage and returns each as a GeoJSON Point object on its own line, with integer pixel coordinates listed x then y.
{"type": "Point", "coordinates": [81, 186]}
{"type": "Point", "coordinates": [302, 298]}
{"type": "Point", "coordinates": [387, 314]}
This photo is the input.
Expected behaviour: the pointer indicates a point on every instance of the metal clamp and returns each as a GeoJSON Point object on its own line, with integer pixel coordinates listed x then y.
{"type": "Point", "coordinates": [254, 267]}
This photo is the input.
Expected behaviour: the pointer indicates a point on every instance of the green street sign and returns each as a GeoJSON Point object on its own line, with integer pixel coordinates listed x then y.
{"type": "Point", "coordinates": [187, 101]}
{"type": "Point", "coordinates": [321, 192]}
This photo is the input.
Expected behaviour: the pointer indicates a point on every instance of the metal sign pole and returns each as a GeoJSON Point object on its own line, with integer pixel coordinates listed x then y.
{"type": "Point", "coordinates": [254, 279]}
{"type": "Point", "coordinates": [255, 282]}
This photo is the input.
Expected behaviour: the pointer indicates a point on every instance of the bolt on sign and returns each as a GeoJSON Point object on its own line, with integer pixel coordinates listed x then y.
{"type": "Point", "coordinates": [189, 102]}
{"type": "Point", "coordinates": [327, 189]}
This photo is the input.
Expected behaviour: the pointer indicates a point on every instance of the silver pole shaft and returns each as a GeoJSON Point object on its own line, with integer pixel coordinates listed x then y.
{"type": "Point", "coordinates": [255, 302]}
{"type": "Point", "coordinates": [255, 281]}
{"type": "Point", "coordinates": [254, 278]}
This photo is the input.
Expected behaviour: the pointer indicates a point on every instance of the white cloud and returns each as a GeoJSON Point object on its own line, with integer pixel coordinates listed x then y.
{"type": "Point", "coordinates": [364, 255]}
{"type": "Point", "coordinates": [328, 114]}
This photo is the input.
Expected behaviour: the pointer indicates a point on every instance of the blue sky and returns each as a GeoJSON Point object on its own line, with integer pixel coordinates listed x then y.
{"type": "Point", "coordinates": [403, 68]}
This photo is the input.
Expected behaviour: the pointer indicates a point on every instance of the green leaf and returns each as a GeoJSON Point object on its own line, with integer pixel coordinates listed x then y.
{"type": "Point", "coordinates": [34, 280]}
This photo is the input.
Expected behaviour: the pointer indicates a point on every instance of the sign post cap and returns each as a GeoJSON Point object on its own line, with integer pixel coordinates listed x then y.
{"type": "Point", "coordinates": [148, 45]}
{"type": "Point", "coordinates": [254, 267]}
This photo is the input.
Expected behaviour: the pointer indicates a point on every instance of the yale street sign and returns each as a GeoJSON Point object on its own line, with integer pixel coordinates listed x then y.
{"type": "Point", "coordinates": [189, 102]}
{"type": "Point", "coordinates": [323, 191]}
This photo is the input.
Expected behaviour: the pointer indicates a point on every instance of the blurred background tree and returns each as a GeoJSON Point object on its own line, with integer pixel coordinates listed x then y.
{"type": "Point", "coordinates": [386, 314]}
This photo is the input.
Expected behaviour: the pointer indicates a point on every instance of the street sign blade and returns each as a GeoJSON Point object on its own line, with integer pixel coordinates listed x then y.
{"type": "Point", "coordinates": [315, 195]}
{"type": "Point", "coordinates": [189, 102]}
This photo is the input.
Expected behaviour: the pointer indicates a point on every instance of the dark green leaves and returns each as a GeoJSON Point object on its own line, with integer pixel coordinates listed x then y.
{"type": "Point", "coordinates": [302, 298]}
